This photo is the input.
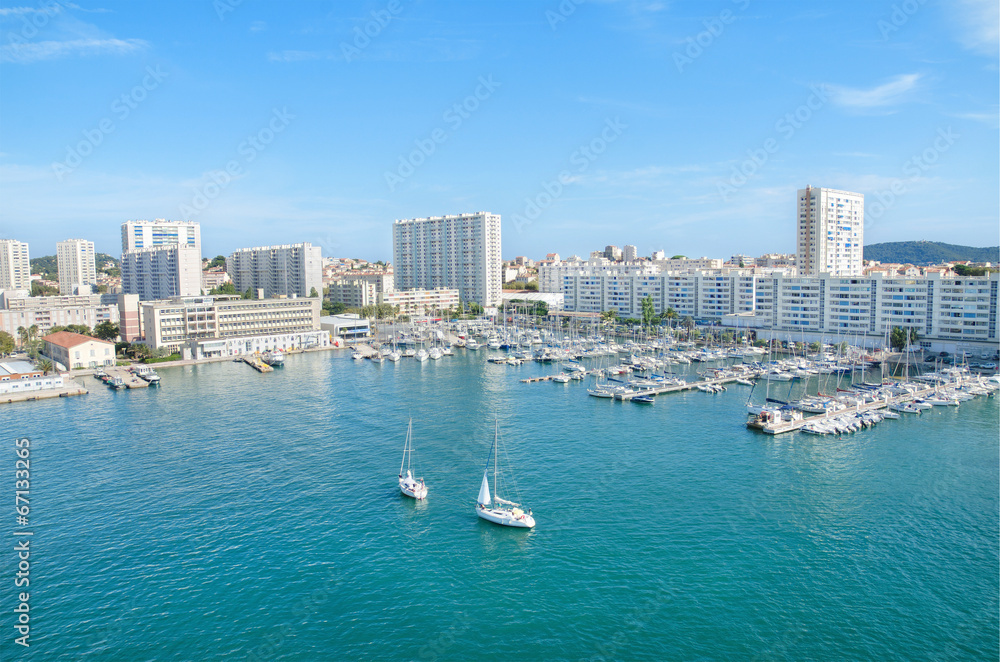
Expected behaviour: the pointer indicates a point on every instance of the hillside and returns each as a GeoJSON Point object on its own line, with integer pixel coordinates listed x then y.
{"type": "Point", "coordinates": [922, 253]}
{"type": "Point", "coordinates": [49, 268]}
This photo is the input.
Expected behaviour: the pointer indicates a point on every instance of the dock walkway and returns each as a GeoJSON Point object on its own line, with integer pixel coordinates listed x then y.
{"type": "Point", "coordinates": [788, 426]}
{"type": "Point", "coordinates": [258, 365]}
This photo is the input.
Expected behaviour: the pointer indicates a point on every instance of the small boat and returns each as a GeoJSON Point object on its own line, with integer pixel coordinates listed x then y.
{"type": "Point", "coordinates": [357, 355]}
{"type": "Point", "coordinates": [495, 508]}
{"type": "Point", "coordinates": [643, 399]}
{"type": "Point", "coordinates": [435, 354]}
{"type": "Point", "coordinates": [471, 344]}
{"type": "Point", "coordinates": [422, 355]}
{"type": "Point", "coordinates": [601, 392]}
{"type": "Point", "coordinates": [274, 358]}
{"type": "Point", "coordinates": [408, 485]}
{"type": "Point", "coordinates": [561, 378]}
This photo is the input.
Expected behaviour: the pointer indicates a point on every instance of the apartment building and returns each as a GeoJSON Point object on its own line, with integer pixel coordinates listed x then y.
{"type": "Point", "coordinates": [15, 266]}
{"type": "Point", "coordinates": [460, 252]}
{"type": "Point", "coordinates": [287, 270]}
{"type": "Point", "coordinates": [77, 266]}
{"type": "Point", "coordinates": [831, 227]}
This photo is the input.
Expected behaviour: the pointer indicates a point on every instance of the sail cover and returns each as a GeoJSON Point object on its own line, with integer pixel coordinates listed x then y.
{"type": "Point", "coordinates": [484, 492]}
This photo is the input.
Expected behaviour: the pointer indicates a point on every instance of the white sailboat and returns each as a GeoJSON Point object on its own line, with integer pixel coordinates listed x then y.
{"type": "Point", "coordinates": [408, 485]}
{"type": "Point", "coordinates": [494, 508]}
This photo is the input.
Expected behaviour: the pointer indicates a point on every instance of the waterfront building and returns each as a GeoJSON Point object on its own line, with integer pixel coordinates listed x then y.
{"type": "Point", "coordinates": [21, 377]}
{"type": "Point", "coordinates": [161, 272]}
{"type": "Point", "coordinates": [287, 270]}
{"type": "Point", "coordinates": [77, 267]}
{"type": "Point", "coordinates": [25, 311]}
{"type": "Point", "coordinates": [460, 252]}
{"type": "Point", "coordinates": [15, 266]}
{"type": "Point", "coordinates": [174, 322]}
{"type": "Point", "coordinates": [345, 327]}
{"type": "Point", "coordinates": [423, 302]}
{"type": "Point", "coordinates": [947, 312]}
{"type": "Point", "coordinates": [830, 232]}
{"type": "Point", "coordinates": [160, 232]}
{"type": "Point", "coordinates": [69, 351]}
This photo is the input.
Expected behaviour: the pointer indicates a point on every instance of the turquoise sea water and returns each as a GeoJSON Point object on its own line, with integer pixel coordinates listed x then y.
{"type": "Point", "coordinates": [232, 515]}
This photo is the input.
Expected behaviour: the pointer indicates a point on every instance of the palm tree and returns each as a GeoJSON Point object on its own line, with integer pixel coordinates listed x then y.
{"type": "Point", "coordinates": [32, 332]}
{"type": "Point", "coordinates": [22, 335]}
{"type": "Point", "coordinates": [45, 366]}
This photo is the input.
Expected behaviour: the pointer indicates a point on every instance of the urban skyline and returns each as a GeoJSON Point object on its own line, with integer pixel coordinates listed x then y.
{"type": "Point", "coordinates": [900, 106]}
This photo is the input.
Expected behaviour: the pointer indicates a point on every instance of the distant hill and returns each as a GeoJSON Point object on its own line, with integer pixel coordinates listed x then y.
{"type": "Point", "coordinates": [48, 266]}
{"type": "Point", "coordinates": [921, 253]}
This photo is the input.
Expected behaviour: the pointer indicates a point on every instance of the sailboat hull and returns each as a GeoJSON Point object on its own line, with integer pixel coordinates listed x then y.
{"type": "Point", "coordinates": [506, 517]}
{"type": "Point", "coordinates": [413, 489]}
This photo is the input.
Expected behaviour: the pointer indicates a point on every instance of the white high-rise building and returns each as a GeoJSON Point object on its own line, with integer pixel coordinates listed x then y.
{"type": "Point", "coordinates": [162, 272]}
{"type": "Point", "coordinates": [77, 268]}
{"type": "Point", "coordinates": [630, 253]}
{"type": "Point", "coordinates": [15, 267]}
{"type": "Point", "coordinates": [830, 232]}
{"type": "Point", "coordinates": [288, 270]}
{"type": "Point", "coordinates": [461, 252]}
{"type": "Point", "coordinates": [161, 232]}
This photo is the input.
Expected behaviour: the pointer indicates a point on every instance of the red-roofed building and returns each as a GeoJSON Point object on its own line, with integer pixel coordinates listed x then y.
{"type": "Point", "coordinates": [75, 350]}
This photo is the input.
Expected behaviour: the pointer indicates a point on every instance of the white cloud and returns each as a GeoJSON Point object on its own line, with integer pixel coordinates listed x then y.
{"type": "Point", "coordinates": [24, 53]}
{"type": "Point", "coordinates": [898, 90]}
{"type": "Point", "coordinates": [258, 26]}
{"type": "Point", "coordinates": [979, 24]}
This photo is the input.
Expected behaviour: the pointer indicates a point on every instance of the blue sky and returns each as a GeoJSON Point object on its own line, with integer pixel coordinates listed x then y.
{"type": "Point", "coordinates": [682, 126]}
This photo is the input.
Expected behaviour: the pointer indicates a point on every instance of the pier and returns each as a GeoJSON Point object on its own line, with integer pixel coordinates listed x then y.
{"type": "Point", "coordinates": [781, 427]}
{"type": "Point", "coordinates": [675, 388]}
{"type": "Point", "coordinates": [130, 380]}
{"type": "Point", "coordinates": [258, 365]}
{"type": "Point", "coordinates": [71, 388]}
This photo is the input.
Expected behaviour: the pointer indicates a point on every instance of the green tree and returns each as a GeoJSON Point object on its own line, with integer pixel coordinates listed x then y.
{"type": "Point", "coordinates": [648, 311]}
{"type": "Point", "coordinates": [139, 350]}
{"type": "Point", "coordinates": [39, 290]}
{"type": "Point", "coordinates": [217, 261]}
{"type": "Point", "coordinates": [106, 331]}
{"type": "Point", "coordinates": [248, 294]}
{"type": "Point", "coordinates": [897, 338]}
{"type": "Point", "coordinates": [914, 336]}
{"type": "Point", "coordinates": [22, 335]}
{"type": "Point", "coordinates": [313, 294]}
{"type": "Point", "coordinates": [45, 366]}
{"type": "Point", "coordinates": [32, 332]}
{"type": "Point", "coordinates": [225, 288]}
{"type": "Point", "coordinates": [7, 343]}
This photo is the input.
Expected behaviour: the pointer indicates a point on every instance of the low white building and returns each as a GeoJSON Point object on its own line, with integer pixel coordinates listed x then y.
{"type": "Point", "coordinates": [346, 327]}
{"type": "Point", "coordinates": [21, 377]}
{"type": "Point", "coordinates": [74, 350]}
{"type": "Point", "coordinates": [215, 347]}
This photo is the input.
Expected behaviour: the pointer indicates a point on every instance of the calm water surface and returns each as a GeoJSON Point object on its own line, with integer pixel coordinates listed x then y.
{"type": "Point", "coordinates": [232, 515]}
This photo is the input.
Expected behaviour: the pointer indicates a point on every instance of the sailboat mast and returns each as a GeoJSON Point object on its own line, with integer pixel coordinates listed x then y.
{"type": "Point", "coordinates": [496, 432]}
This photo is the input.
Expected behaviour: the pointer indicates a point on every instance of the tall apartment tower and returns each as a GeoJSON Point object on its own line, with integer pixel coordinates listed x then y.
{"type": "Point", "coordinates": [162, 272]}
{"type": "Point", "coordinates": [161, 232]}
{"type": "Point", "coordinates": [831, 232]}
{"type": "Point", "coordinates": [289, 270]}
{"type": "Point", "coordinates": [15, 267]}
{"type": "Point", "coordinates": [461, 252]}
{"type": "Point", "coordinates": [630, 253]}
{"type": "Point", "coordinates": [77, 267]}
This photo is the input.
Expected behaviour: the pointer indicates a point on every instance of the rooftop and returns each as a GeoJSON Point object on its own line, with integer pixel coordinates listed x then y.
{"type": "Point", "coordinates": [17, 368]}
{"type": "Point", "coordinates": [68, 339]}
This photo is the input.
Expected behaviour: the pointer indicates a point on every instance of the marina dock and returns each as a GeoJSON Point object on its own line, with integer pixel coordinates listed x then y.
{"type": "Point", "coordinates": [130, 380]}
{"type": "Point", "coordinates": [789, 426]}
{"type": "Point", "coordinates": [674, 388]}
{"type": "Point", "coordinates": [258, 365]}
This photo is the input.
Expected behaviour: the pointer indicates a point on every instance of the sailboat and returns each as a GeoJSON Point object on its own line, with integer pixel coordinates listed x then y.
{"type": "Point", "coordinates": [408, 485]}
{"type": "Point", "coordinates": [495, 509]}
